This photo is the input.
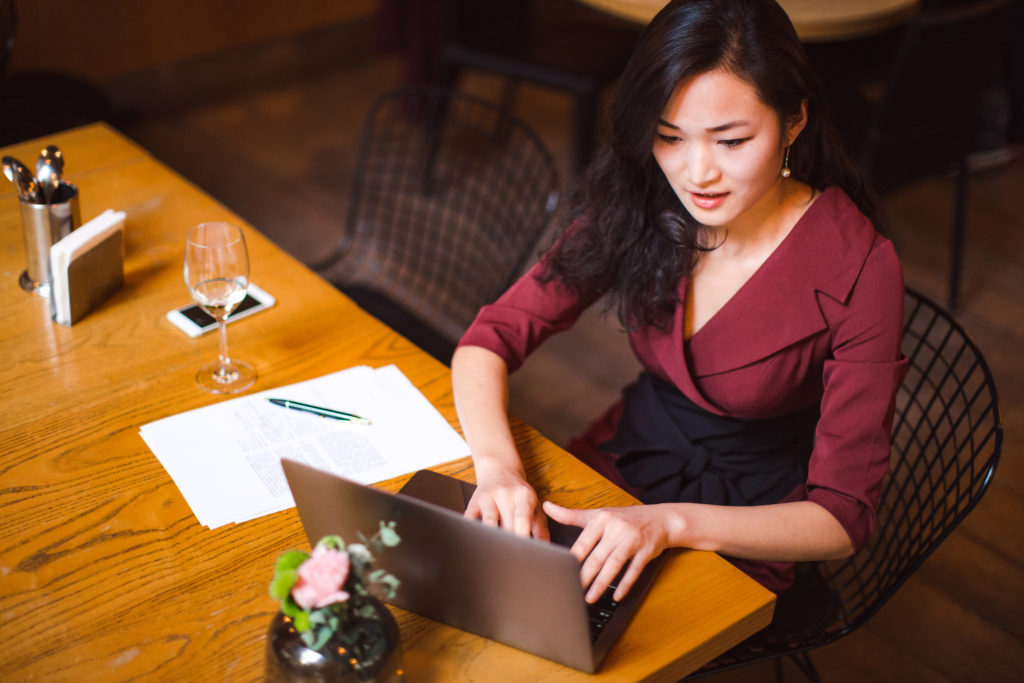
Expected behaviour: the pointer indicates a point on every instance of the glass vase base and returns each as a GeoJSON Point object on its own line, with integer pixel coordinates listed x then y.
{"type": "Point", "coordinates": [232, 378]}
{"type": "Point", "coordinates": [289, 660]}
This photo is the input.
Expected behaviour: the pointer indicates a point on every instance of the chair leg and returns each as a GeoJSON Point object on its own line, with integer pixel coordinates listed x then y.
{"type": "Point", "coordinates": [957, 250]}
{"type": "Point", "coordinates": [806, 665]}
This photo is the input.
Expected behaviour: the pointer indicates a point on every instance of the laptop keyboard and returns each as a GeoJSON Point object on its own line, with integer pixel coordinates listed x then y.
{"type": "Point", "coordinates": [600, 612]}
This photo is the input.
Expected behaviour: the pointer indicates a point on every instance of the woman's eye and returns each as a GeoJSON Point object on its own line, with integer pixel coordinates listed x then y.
{"type": "Point", "coordinates": [733, 143]}
{"type": "Point", "coordinates": [669, 139]}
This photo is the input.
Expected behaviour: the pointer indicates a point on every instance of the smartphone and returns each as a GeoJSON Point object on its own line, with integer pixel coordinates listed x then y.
{"type": "Point", "coordinates": [194, 321]}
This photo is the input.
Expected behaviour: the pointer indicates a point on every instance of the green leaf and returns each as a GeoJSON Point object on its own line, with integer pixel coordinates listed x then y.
{"type": "Point", "coordinates": [388, 535]}
{"type": "Point", "coordinates": [323, 634]}
{"type": "Point", "coordinates": [333, 541]}
{"type": "Point", "coordinates": [291, 608]}
{"type": "Point", "coordinates": [301, 621]}
{"type": "Point", "coordinates": [282, 584]}
{"type": "Point", "coordinates": [391, 585]}
{"type": "Point", "coordinates": [290, 560]}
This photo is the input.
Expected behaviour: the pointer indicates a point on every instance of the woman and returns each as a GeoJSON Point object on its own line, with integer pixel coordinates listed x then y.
{"type": "Point", "coordinates": [735, 240]}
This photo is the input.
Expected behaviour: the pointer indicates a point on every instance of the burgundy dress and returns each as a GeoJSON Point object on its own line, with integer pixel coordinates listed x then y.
{"type": "Point", "coordinates": [817, 327]}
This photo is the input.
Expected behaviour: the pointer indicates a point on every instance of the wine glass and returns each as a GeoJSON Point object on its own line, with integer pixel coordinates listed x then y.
{"type": "Point", "coordinates": [217, 275]}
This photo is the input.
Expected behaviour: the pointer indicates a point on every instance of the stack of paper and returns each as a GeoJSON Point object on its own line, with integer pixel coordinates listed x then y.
{"type": "Point", "coordinates": [226, 458]}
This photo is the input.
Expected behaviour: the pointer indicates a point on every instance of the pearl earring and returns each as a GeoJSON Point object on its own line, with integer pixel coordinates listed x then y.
{"type": "Point", "coordinates": [785, 164]}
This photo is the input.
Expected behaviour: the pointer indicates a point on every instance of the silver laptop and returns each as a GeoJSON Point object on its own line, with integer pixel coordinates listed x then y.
{"type": "Point", "coordinates": [519, 591]}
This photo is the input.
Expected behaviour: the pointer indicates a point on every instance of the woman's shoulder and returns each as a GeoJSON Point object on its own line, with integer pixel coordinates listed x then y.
{"type": "Point", "coordinates": [839, 244]}
{"type": "Point", "coordinates": [835, 206]}
{"type": "Point", "coordinates": [857, 228]}
{"type": "Point", "coordinates": [838, 222]}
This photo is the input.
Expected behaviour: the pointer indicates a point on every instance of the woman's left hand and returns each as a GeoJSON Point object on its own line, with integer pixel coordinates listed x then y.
{"type": "Point", "coordinates": [611, 538]}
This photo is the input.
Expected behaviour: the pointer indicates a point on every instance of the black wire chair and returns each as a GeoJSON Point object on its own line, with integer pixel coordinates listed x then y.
{"type": "Point", "coordinates": [946, 439]}
{"type": "Point", "coordinates": [450, 198]}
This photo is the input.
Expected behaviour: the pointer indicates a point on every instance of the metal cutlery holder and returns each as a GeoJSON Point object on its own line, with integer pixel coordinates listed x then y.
{"type": "Point", "coordinates": [43, 225]}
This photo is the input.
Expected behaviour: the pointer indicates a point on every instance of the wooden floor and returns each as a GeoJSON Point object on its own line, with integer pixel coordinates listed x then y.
{"type": "Point", "coordinates": [282, 158]}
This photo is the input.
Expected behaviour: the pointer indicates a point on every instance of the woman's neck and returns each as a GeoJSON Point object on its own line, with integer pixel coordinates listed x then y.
{"type": "Point", "coordinates": [767, 223]}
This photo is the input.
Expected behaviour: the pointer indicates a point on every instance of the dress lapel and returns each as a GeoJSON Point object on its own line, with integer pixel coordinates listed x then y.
{"type": "Point", "coordinates": [778, 305]}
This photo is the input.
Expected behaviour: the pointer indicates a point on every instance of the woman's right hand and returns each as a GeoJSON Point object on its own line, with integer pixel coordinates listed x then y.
{"type": "Point", "coordinates": [504, 498]}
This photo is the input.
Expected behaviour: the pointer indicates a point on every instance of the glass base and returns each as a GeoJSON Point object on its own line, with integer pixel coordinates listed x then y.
{"type": "Point", "coordinates": [234, 377]}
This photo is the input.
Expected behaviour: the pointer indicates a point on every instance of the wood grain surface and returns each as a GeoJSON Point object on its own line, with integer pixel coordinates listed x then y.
{"type": "Point", "coordinates": [105, 574]}
{"type": "Point", "coordinates": [814, 20]}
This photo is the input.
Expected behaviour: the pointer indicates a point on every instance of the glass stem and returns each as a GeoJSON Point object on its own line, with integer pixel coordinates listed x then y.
{"type": "Point", "coordinates": [225, 361]}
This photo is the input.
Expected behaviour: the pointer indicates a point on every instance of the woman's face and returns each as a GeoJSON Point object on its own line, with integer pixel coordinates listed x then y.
{"type": "Point", "coordinates": [721, 149]}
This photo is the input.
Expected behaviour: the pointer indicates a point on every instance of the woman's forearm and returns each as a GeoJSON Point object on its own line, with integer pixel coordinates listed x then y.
{"type": "Point", "coordinates": [789, 532]}
{"type": "Point", "coordinates": [480, 385]}
{"type": "Point", "coordinates": [503, 496]}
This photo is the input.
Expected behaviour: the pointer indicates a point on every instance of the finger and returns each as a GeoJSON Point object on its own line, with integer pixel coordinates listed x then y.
{"type": "Point", "coordinates": [540, 526]}
{"type": "Point", "coordinates": [523, 506]}
{"type": "Point", "coordinates": [563, 515]}
{"type": "Point", "coordinates": [587, 541]}
{"type": "Point", "coordinates": [489, 514]}
{"type": "Point", "coordinates": [595, 561]}
{"type": "Point", "coordinates": [629, 577]}
{"type": "Point", "coordinates": [522, 521]}
{"type": "Point", "coordinates": [609, 570]}
{"type": "Point", "coordinates": [505, 508]}
{"type": "Point", "coordinates": [472, 509]}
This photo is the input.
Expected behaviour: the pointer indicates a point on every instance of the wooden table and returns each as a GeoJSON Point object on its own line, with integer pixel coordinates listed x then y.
{"type": "Point", "coordinates": [105, 574]}
{"type": "Point", "coordinates": [814, 20]}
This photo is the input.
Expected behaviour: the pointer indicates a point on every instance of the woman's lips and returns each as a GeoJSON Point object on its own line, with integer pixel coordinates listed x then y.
{"type": "Point", "coordinates": [708, 200]}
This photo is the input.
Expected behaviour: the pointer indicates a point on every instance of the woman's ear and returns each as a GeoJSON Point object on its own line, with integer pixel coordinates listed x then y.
{"type": "Point", "coordinates": [796, 123]}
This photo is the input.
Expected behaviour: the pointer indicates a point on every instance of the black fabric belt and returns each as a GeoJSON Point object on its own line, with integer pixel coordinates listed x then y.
{"type": "Point", "coordinates": [678, 452]}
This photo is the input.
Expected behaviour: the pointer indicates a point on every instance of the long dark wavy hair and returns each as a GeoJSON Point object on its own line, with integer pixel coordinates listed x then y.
{"type": "Point", "coordinates": [631, 237]}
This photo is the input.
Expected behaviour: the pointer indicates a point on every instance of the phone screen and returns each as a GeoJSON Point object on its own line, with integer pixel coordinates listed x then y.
{"type": "Point", "coordinates": [203, 319]}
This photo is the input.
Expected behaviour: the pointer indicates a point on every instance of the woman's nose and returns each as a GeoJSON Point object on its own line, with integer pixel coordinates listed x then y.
{"type": "Point", "coordinates": [700, 167]}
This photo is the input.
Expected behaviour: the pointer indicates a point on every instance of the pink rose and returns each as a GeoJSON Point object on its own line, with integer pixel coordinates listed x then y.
{"type": "Point", "coordinates": [321, 578]}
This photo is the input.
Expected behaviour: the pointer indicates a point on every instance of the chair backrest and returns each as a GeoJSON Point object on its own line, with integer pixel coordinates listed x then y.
{"type": "Point", "coordinates": [922, 125]}
{"type": "Point", "coordinates": [946, 440]}
{"type": "Point", "coordinates": [451, 196]}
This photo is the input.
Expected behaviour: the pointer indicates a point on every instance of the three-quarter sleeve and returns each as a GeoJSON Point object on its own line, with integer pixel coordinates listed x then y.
{"type": "Point", "coordinates": [860, 379]}
{"type": "Point", "coordinates": [529, 312]}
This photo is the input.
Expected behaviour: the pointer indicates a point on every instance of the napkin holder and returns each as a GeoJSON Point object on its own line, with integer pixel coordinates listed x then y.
{"type": "Point", "coordinates": [87, 267]}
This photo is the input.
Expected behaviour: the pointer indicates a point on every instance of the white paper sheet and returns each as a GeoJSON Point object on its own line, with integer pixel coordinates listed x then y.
{"type": "Point", "coordinates": [226, 458]}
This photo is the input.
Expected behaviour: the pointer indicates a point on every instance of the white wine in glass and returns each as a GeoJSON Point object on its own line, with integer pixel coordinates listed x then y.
{"type": "Point", "coordinates": [217, 275]}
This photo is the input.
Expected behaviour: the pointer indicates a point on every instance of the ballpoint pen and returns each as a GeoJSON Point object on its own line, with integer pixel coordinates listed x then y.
{"type": "Point", "coordinates": [317, 410]}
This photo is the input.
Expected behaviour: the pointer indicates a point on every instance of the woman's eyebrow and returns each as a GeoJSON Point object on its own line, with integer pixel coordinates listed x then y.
{"type": "Point", "coordinates": [712, 129]}
{"type": "Point", "coordinates": [726, 126]}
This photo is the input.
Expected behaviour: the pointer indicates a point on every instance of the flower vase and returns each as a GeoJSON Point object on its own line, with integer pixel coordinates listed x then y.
{"type": "Point", "coordinates": [290, 660]}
